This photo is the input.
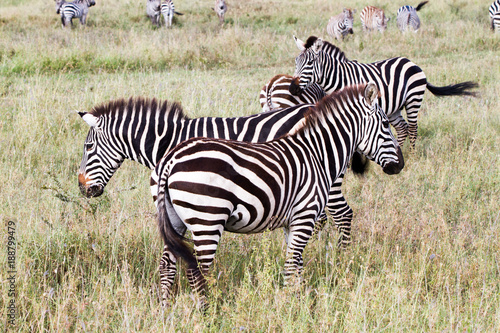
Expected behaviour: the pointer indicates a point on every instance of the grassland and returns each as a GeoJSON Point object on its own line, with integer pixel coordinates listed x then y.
{"type": "Point", "coordinates": [426, 243]}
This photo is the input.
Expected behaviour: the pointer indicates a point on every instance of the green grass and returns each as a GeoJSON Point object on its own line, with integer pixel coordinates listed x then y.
{"type": "Point", "coordinates": [426, 243]}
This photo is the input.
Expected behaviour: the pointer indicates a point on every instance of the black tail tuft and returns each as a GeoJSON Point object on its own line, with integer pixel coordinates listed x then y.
{"type": "Point", "coordinates": [454, 89]}
{"type": "Point", "coordinates": [420, 5]}
{"type": "Point", "coordinates": [359, 164]}
{"type": "Point", "coordinates": [175, 242]}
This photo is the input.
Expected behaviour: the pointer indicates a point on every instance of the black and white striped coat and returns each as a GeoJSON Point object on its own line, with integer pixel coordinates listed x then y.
{"type": "Point", "coordinates": [168, 11]}
{"type": "Point", "coordinates": [211, 185]}
{"type": "Point", "coordinates": [76, 9]}
{"type": "Point", "coordinates": [407, 17]}
{"type": "Point", "coordinates": [153, 10]}
{"type": "Point", "coordinates": [495, 15]}
{"type": "Point", "coordinates": [401, 83]}
{"type": "Point", "coordinates": [276, 94]}
{"type": "Point", "coordinates": [341, 25]}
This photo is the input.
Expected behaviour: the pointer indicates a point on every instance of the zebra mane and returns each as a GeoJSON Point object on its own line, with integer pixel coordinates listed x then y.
{"type": "Point", "coordinates": [330, 104]}
{"type": "Point", "coordinates": [118, 106]}
{"type": "Point", "coordinates": [327, 48]}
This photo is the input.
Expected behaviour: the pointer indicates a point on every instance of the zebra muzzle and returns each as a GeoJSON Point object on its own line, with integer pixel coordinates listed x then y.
{"type": "Point", "coordinates": [393, 168]}
{"type": "Point", "coordinates": [90, 191]}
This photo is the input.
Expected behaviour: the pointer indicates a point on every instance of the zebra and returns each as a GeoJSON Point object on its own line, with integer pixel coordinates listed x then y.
{"type": "Point", "coordinates": [407, 17]}
{"type": "Point", "coordinates": [213, 185]}
{"type": "Point", "coordinates": [401, 83]}
{"type": "Point", "coordinates": [495, 15]}
{"type": "Point", "coordinates": [76, 9]}
{"type": "Point", "coordinates": [59, 3]}
{"type": "Point", "coordinates": [168, 11]}
{"type": "Point", "coordinates": [341, 25]}
{"type": "Point", "coordinates": [220, 9]}
{"type": "Point", "coordinates": [276, 95]}
{"type": "Point", "coordinates": [373, 18]}
{"type": "Point", "coordinates": [153, 10]}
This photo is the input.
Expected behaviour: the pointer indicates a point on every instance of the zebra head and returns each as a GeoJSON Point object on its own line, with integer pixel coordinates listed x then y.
{"type": "Point", "coordinates": [377, 141]}
{"type": "Point", "coordinates": [308, 65]}
{"type": "Point", "coordinates": [99, 161]}
{"type": "Point", "coordinates": [349, 19]}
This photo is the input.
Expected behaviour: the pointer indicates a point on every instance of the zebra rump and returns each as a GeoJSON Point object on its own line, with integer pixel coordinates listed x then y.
{"type": "Point", "coordinates": [495, 16]}
{"type": "Point", "coordinates": [407, 17]}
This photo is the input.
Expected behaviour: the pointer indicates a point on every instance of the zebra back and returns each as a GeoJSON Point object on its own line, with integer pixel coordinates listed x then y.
{"type": "Point", "coordinates": [373, 18]}
{"type": "Point", "coordinates": [276, 94]}
{"type": "Point", "coordinates": [341, 25]}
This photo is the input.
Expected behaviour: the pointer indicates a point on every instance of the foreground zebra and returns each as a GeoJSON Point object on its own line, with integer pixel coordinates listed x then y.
{"type": "Point", "coordinates": [341, 25]}
{"type": "Point", "coordinates": [401, 83]}
{"type": "Point", "coordinates": [495, 15]}
{"type": "Point", "coordinates": [220, 9]}
{"type": "Point", "coordinates": [76, 9]}
{"type": "Point", "coordinates": [276, 94]}
{"type": "Point", "coordinates": [211, 185]}
{"type": "Point", "coordinates": [373, 18]}
{"type": "Point", "coordinates": [407, 17]}
{"type": "Point", "coordinates": [168, 11]}
{"type": "Point", "coordinates": [153, 10]}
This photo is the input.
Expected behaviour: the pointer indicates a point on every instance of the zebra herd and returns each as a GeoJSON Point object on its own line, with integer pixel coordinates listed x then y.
{"type": "Point", "coordinates": [373, 18]}
{"type": "Point", "coordinates": [154, 9]}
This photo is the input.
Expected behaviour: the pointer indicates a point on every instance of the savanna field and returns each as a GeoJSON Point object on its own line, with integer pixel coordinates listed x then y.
{"type": "Point", "coordinates": [425, 255]}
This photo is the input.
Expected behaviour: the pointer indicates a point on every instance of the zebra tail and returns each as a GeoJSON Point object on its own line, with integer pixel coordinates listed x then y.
{"type": "Point", "coordinates": [454, 89]}
{"type": "Point", "coordinates": [359, 164]}
{"type": "Point", "coordinates": [420, 5]}
{"type": "Point", "coordinates": [176, 243]}
{"type": "Point", "coordinates": [178, 13]}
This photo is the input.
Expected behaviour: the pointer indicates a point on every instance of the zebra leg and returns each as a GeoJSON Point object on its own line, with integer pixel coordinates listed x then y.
{"type": "Point", "coordinates": [401, 126]}
{"type": "Point", "coordinates": [205, 245]}
{"type": "Point", "coordinates": [168, 270]}
{"type": "Point", "coordinates": [341, 212]}
{"type": "Point", "coordinates": [412, 108]}
{"type": "Point", "coordinates": [297, 237]}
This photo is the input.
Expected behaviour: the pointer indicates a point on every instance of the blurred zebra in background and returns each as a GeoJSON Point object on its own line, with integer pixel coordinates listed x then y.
{"type": "Point", "coordinates": [341, 25]}
{"type": "Point", "coordinates": [59, 3]}
{"type": "Point", "coordinates": [220, 9]}
{"type": "Point", "coordinates": [373, 18]}
{"type": "Point", "coordinates": [168, 11]}
{"type": "Point", "coordinates": [276, 94]}
{"type": "Point", "coordinates": [495, 16]}
{"type": "Point", "coordinates": [211, 185]}
{"type": "Point", "coordinates": [153, 10]}
{"type": "Point", "coordinates": [407, 17]}
{"type": "Point", "coordinates": [76, 9]}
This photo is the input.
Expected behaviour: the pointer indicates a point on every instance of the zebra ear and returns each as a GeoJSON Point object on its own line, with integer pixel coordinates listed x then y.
{"type": "Point", "coordinates": [371, 93]}
{"type": "Point", "coordinates": [318, 44]}
{"type": "Point", "coordinates": [89, 118]}
{"type": "Point", "coordinates": [300, 44]}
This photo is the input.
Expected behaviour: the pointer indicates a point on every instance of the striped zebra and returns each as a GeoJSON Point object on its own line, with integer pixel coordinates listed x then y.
{"type": "Point", "coordinates": [276, 94]}
{"type": "Point", "coordinates": [373, 18]}
{"type": "Point", "coordinates": [153, 10]}
{"type": "Point", "coordinates": [168, 11]}
{"type": "Point", "coordinates": [212, 185]}
{"type": "Point", "coordinates": [59, 3]}
{"type": "Point", "coordinates": [407, 17]}
{"type": "Point", "coordinates": [401, 83]}
{"type": "Point", "coordinates": [341, 25]}
{"type": "Point", "coordinates": [495, 16]}
{"type": "Point", "coordinates": [220, 9]}
{"type": "Point", "coordinates": [76, 9]}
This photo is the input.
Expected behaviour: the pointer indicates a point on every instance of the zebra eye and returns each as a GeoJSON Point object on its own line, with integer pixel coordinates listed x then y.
{"type": "Point", "coordinates": [89, 146]}
{"type": "Point", "coordinates": [385, 123]}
